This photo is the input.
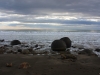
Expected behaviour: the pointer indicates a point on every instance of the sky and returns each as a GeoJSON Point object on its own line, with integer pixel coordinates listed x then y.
{"type": "Point", "coordinates": [50, 14]}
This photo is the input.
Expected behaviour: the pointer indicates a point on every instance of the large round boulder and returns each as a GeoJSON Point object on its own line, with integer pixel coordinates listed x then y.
{"type": "Point", "coordinates": [67, 41]}
{"type": "Point", "coordinates": [15, 42]}
{"type": "Point", "coordinates": [58, 45]}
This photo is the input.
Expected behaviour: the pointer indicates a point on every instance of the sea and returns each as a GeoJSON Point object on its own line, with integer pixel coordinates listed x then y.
{"type": "Point", "coordinates": [81, 39]}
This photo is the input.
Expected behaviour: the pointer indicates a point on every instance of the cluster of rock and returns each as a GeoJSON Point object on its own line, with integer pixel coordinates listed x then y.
{"type": "Point", "coordinates": [61, 45]}
{"type": "Point", "coordinates": [17, 47]}
{"type": "Point", "coordinates": [87, 52]}
{"type": "Point", "coordinates": [64, 44]}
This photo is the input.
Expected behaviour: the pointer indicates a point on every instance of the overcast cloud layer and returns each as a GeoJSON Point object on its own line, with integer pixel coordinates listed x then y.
{"type": "Point", "coordinates": [50, 14]}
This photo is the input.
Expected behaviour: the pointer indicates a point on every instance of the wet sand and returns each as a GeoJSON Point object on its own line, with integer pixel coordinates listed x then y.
{"type": "Point", "coordinates": [49, 65]}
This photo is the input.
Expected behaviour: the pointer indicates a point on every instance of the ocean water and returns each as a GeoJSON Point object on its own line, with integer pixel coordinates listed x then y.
{"type": "Point", "coordinates": [49, 36]}
{"type": "Point", "coordinates": [80, 39]}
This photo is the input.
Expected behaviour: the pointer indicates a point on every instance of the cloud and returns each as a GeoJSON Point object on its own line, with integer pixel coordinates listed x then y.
{"type": "Point", "coordinates": [87, 7]}
{"type": "Point", "coordinates": [54, 14]}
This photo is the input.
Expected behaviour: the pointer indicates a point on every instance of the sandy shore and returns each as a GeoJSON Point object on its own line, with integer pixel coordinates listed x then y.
{"type": "Point", "coordinates": [49, 65]}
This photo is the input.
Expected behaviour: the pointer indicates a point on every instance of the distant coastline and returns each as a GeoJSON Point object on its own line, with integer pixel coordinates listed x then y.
{"type": "Point", "coordinates": [49, 30]}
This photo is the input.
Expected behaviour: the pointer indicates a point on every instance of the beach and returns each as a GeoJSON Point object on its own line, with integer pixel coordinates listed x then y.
{"type": "Point", "coordinates": [35, 49]}
{"type": "Point", "coordinates": [49, 65]}
{"type": "Point", "coordinates": [49, 37]}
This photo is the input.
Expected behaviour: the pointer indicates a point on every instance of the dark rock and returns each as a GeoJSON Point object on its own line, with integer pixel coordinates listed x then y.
{"type": "Point", "coordinates": [6, 45]}
{"type": "Point", "coordinates": [8, 64]}
{"type": "Point", "coordinates": [15, 42]}
{"type": "Point", "coordinates": [20, 50]}
{"type": "Point", "coordinates": [73, 47]}
{"type": "Point", "coordinates": [98, 50]}
{"type": "Point", "coordinates": [26, 46]}
{"type": "Point", "coordinates": [58, 45]}
{"type": "Point", "coordinates": [36, 45]}
{"type": "Point", "coordinates": [86, 51]}
{"type": "Point", "coordinates": [67, 41]}
{"type": "Point", "coordinates": [2, 40]}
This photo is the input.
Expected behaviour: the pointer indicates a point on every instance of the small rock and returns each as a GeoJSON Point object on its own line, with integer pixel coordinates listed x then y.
{"type": "Point", "coordinates": [36, 45]}
{"type": "Point", "coordinates": [8, 64]}
{"type": "Point", "coordinates": [2, 40]}
{"type": "Point", "coordinates": [86, 51]}
{"type": "Point", "coordinates": [73, 46]}
{"type": "Point", "coordinates": [98, 50]}
{"type": "Point", "coordinates": [20, 50]}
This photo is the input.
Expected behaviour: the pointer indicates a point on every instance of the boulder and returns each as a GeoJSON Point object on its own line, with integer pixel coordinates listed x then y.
{"type": "Point", "coordinates": [67, 41]}
{"type": "Point", "coordinates": [15, 42]}
{"type": "Point", "coordinates": [58, 45]}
